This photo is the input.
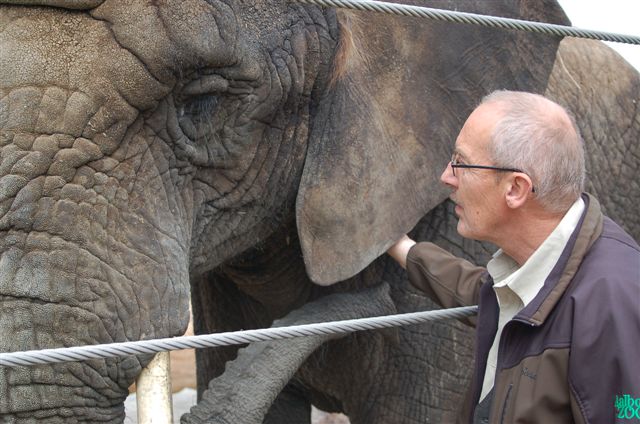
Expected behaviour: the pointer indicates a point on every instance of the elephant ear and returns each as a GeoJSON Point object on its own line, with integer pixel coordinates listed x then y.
{"type": "Point", "coordinates": [384, 131]}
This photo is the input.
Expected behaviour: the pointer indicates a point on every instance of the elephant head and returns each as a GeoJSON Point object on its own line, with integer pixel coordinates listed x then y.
{"type": "Point", "coordinates": [143, 145]}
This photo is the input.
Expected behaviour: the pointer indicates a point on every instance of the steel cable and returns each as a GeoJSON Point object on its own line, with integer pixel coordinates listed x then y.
{"type": "Point", "coordinates": [474, 19]}
{"type": "Point", "coordinates": [80, 353]}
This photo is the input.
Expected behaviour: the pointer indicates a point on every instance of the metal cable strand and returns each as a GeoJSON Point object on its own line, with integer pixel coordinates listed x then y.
{"type": "Point", "coordinates": [474, 19]}
{"type": "Point", "coordinates": [70, 354]}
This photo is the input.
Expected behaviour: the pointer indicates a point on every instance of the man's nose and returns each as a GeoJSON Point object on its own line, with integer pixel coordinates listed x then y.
{"type": "Point", "coordinates": [447, 177]}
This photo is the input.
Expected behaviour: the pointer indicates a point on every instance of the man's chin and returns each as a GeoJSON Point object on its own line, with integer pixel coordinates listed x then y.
{"type": "Point", "coordinates": [466, 233]}
{"type": "Point", "coordinates": [461, 228]}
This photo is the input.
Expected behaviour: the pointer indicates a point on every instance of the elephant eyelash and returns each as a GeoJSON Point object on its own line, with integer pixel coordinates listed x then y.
{"type": "Point", "coordinates": [195, 116]}
{"type": "Point", "coordinates": [199, 98]}
{"type": "Point", "coordinates": [203, 105]}
{"type": "Point", "coordinates": [207, 84]}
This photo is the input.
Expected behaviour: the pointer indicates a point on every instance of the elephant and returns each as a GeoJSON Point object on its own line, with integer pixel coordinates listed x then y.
{"type": "Point", "coordinates": [257, 158]}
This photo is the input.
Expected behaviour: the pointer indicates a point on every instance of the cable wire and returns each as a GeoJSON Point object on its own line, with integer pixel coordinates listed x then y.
{"type": "Point", "coordinates": [474, 19]}
{"type": "Point", "coordinates": [80, 353]}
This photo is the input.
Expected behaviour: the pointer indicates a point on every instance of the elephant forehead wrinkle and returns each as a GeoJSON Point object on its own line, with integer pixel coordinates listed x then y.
{"type": "Point", "coordinates": [78, 111]}
{"type": "Point", "coordinates": [23, 141]}
{"type": "Point", "coordinates": [104, 164]}
{"type": "Point", "coordinates": [21, 104]}
{"type": "Point", "coordinates": [49, 144]}
{"type": "Point", "coordinates": [10, 185]}
{"type": "Point", "coordinates": [55, 110]}
{"type": "Point", "coordinates": [94, 84]}
{"type": "Point", "coordinates": [169, 37]}
{"type": "Point", "coordinates": [4, 111]}
{"type": "Point", "coordinates": [21, 208]}
{"type": "Point", "coordinates": [50, 119]}
{"type": "Point", "coordinates": [64, 112]}
{"type": "Point", "coordinates": [103, 120]}
{"type": "Point", "coordinates": [8, 193]}
{"type": "Point", "coordinates": [9, 155]}
{"type": "Point", "coordinates": [103, 116]}
{"type": "Point", "coordinates": [32, 165]}
{"type": "Point", "coordinates": [75, 193]}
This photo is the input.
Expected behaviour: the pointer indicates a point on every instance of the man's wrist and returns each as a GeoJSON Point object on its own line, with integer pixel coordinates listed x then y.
{"type": "Point", "coordinates": [400, 249]}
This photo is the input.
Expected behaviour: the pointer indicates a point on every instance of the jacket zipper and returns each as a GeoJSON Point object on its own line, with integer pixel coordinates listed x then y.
{"type": "Point", "coordinates": [506, 401]}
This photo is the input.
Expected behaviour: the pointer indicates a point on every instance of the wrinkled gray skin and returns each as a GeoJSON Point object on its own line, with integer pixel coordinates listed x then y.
{"type": "Point", "coordinates": [228, 149]}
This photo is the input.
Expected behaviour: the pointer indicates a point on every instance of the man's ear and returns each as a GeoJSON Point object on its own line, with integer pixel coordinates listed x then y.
{"type": "Point", "coordinates": [519, 189]}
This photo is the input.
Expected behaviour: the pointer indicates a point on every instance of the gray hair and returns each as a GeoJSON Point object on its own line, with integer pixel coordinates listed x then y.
{"type": "Point", "coordinates": [542, 139]}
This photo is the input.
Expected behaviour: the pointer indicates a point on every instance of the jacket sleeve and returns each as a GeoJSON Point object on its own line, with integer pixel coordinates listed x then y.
{"type": "Point", "coordinates": [448, 280]}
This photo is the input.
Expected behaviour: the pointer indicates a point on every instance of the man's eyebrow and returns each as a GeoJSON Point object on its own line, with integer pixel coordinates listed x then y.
{"type": "Point", "coordinates": [459, 154]}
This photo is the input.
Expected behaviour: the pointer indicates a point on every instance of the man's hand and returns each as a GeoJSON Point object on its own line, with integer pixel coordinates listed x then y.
{"type": "Point", "coordinates": [400, 249]}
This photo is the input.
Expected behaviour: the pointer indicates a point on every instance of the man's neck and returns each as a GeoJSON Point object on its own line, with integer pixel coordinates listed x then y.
{"type": "Point", "coordinates": [528, 232]}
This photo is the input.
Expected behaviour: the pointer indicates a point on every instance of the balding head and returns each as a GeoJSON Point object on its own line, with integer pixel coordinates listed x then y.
{"type": "Point", "coordinates": [538, 136]}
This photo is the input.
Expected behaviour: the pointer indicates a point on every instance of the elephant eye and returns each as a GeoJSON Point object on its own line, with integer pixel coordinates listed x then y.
{"type": "Point", "coordinates": [195, 116]}
{"type": "Point", "coordinates": [198, 102]}
{"type": "Point", "coordinates": [199, 106]}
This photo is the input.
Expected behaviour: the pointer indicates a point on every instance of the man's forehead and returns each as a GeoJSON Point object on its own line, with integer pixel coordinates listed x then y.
{"type": "Point", "coordinates": [477, 131]}
{"type": "Point", "coordinates": [468, 143]}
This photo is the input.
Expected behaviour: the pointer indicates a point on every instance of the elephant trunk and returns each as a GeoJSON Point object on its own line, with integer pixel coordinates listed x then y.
{"type": "Point", "coordinates": [82, 261]}
{"type": "Point", "coordinates": [72, 282]}
{"type": "Point", "coordinates": [262, 370]}
{"type": "Point", "coordinates": [85, 238]}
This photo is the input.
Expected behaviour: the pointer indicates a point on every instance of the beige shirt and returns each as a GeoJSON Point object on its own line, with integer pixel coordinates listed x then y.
{"type": "Point", "coordinates": [516, 287]}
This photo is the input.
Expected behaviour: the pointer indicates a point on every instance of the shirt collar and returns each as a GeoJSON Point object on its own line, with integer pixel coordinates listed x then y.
{"type": "Point", "coordinates": [527, 280]}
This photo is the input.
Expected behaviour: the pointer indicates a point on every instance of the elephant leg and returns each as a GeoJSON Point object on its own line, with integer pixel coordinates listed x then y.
{"type": "Point", "coordinates": [250, 384]}
{"type": "Point", "coordinates": [292, 406]}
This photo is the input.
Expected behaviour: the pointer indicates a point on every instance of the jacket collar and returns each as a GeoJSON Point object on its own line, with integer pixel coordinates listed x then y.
{"type": "Point", "coordinates": [585, 234]}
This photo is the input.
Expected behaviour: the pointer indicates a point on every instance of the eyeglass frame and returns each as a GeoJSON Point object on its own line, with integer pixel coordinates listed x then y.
{"type": "Point", "coordinates": [455, 165]}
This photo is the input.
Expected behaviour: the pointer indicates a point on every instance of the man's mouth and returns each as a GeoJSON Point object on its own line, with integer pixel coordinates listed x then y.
{"type": "Point", "coordinates": [458, 208]}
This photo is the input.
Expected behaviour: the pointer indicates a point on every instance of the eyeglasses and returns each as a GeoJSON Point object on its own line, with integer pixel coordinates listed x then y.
{"type": "Point", "coordinates": [455, 164]}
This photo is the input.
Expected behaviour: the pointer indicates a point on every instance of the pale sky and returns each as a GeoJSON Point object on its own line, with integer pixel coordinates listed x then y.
{"type": "Point", "coordinates": [620, 16]}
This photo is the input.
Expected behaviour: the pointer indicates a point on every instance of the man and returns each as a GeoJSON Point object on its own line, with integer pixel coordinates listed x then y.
{"type": "Point", "coordinates": [559, 304]}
